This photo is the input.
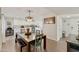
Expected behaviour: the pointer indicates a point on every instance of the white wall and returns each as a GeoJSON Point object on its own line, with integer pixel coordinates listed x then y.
{"type": "Point", "coordinates": [5, 25]}
{"type": "Point", "coordinates": [50, 31]}
{"type": "Point", "coordinates": [59, 27]}
{"type": "Point", "coordinates": [0, 30]}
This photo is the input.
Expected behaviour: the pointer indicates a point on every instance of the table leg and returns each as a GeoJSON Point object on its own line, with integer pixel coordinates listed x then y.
{"type": "Point", "coordinates": [28, 47]}
{"type": "Point", "coordinates": [68, 47]}
{"type": "Point", "coordinates": [44, 45]}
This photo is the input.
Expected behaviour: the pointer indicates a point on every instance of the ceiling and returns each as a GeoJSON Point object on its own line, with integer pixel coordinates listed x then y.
{"type": "Point", "coordinates": [64, 10]}
{"type": "Point", "coordinates": [22, 11]}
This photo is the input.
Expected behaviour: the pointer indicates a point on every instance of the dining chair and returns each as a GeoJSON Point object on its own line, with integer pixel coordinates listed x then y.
{"type": "Point", "coordinates": [21, 43]}
{"type": "Point", "coordinates": [37, 44]}
{"type": "Point", "coordinates": [37, 32]}
{"type": "Point", "coordinates": [16, 37]}
{"type": "Point", "coordinates": [22, 29]}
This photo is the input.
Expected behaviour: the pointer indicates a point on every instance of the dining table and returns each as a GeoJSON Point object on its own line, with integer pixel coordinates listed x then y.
{"type": "Point", "coordinates": [30, 39]}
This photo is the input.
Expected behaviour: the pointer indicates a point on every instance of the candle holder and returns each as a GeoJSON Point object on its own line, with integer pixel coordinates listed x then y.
{"type": "Point", "coordinates": [28, 33]}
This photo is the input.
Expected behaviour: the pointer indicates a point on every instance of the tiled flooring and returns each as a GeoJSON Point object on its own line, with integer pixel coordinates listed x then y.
{"type": "Point", "coordinates": [52, 46]}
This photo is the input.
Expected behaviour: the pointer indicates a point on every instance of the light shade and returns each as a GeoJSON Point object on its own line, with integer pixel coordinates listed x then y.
{"type": "Point", "coordinates": [29, 18]}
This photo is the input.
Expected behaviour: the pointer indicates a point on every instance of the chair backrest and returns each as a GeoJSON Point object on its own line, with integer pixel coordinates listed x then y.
{"type": "Point", "coordinates": [37, 32]}
{"type": "Point", "coordinates": [38, 40]}
{"type": "Point", "coordinates": [33, 29]}
{"type": "Point", "coordinates": [21, 42]}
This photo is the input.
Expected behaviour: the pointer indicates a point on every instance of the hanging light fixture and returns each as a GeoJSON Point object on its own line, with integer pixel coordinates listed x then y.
{"type": "Point", "coordinates": [29, 18]}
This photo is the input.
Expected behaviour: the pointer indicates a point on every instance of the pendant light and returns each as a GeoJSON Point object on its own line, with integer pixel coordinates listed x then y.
{"type": "Point", "coordinates": [29, 18]}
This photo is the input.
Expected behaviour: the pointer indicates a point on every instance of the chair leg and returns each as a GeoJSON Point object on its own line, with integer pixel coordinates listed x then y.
{"type": "Point", "coordinates": [41, 47]}
{"type": "Point", "coordinates": [21, 48]}
{"type": "Point", "coordinates": [15, 41]}
{"type": "Point", "coordinates": [34, 49]}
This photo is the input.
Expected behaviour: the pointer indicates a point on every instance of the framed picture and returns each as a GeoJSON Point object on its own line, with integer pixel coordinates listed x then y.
{"type": "Point", "coordinates": [49, 20]}
{"type": "Point", "coordinates": [8, 23]}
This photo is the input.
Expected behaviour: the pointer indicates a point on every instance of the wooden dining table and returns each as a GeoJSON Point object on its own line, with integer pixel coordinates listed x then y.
{"type": "Point", "coordinates": [30, 39]}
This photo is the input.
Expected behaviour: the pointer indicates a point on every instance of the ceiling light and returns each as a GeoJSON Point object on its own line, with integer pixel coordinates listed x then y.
{"type": "Point", "coordinates": [29, 18]}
